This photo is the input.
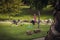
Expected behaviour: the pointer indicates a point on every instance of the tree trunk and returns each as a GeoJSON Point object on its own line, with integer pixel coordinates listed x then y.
{"type": "Point", "coordinates": [38, 18]}
{"type": "Point", "coordinates": [9, 16]}
{"type": "Point", "coordinates": [54, 32]}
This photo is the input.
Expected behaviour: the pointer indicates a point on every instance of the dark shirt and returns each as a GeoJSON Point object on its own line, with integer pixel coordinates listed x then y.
{"type": "Point", "coordinates": [33, 22]}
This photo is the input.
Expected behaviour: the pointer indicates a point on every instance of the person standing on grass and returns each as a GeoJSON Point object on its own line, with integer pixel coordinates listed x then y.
{"type": "Point", "coordinates": [35, 18]}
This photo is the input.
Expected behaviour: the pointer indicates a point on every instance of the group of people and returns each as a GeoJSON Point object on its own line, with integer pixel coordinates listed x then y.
{"type": "Point", "coordinates": [32, 21]}
{"type": "Point", "coordinates": [16, 22]}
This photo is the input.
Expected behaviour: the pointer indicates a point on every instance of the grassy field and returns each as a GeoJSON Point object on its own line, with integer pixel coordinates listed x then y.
{"type": "Point", "coordinates": [14, 32]}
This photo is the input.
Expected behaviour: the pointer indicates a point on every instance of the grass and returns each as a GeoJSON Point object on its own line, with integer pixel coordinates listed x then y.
{"type": "Point", "coordinates": [13, 32]}
{"type": "Point", "coordinates": [27, 14]}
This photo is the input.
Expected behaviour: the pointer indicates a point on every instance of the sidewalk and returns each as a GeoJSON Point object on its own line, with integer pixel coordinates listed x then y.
{"type": "Point", "coordinates": [39, 39]}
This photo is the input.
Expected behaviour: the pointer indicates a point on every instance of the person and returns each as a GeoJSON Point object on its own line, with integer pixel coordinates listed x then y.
{"type": "Point", "coordinates": [35, 18]}
{"type": "Point", "coordinates": [18, 20]}
{"type": "Point", "coordinates": [14, 22]}
{"type": "Point", "coordinates": [39, 21]}
{"type": "Point", "coordinates": [33, 22]}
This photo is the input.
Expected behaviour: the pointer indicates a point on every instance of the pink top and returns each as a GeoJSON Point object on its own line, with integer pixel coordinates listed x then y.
{"type": "Point", "coordinates": [34, 17]}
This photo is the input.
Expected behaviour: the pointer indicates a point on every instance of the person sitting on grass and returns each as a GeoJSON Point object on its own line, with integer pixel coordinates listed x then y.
{"type": "Point", "coordinates": [33, 22]}
{"type": "Point", "coordinates": [14, 22]}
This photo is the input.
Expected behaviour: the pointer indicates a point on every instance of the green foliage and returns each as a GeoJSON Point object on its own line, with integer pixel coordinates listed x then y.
{"type": "Point", "coordinates": [27, 2]}
{"type": "Point", "coordinates": [8, 6]}
{"type": "Point", "coordinates": [38, 4]}
{"type": "Point", "coordinates": [27, 14]}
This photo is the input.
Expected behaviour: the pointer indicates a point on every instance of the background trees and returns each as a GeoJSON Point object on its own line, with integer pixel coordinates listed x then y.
{"type": "Point", "coordinates": [38, 5]}
{"type": "Point", "coordinates": [9, 6]}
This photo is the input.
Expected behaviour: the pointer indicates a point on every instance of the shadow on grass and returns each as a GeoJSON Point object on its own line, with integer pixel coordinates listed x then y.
{"type": "Point", "coordinates": [4, 36]}
{"type": "Point", "coordinates": [7, 37]}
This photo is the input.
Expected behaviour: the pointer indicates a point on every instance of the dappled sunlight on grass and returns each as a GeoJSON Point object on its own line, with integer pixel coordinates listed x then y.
{"type": "Point", "coordinates": [46, 17]}
{"type": "Point", "coordinates": [24, 7]}
{"type": "Point", "coordinates": [26, 13]}
{"type": "Point", "coordinates": [48, 8]}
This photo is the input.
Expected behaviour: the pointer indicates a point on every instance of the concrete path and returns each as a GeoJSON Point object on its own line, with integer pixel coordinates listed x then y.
{"type": "Point", "coordinates": [10, 22]}
{"type": "Point", "coordinates": [39, 38]}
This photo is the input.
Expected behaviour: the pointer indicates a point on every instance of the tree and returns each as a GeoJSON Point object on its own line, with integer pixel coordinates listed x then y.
{"type": "Point", "coordinates": [9, 6]}
{"type": "Point", "coordinates": [39, 4]}
{"type": "Point", "coordinates": [54, 32]}
{"type": "Point", "coordinates": [28, 2]}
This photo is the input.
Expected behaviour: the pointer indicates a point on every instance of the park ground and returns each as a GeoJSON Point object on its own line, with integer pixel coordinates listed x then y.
{"type": "Point", "coordinates": [18, 32]}
{"type": "Point", "coordinates": [10, 31]}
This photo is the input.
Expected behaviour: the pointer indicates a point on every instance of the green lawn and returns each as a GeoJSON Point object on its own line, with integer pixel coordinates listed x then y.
{"type": "Point", "coordinates": [13, 32]}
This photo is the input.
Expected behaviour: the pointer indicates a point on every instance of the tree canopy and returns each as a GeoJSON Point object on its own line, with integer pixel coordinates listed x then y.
{"type": "Point", "coordinates": [8, 6]}
{"type": "Point", "coordinates": [38, 4]}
